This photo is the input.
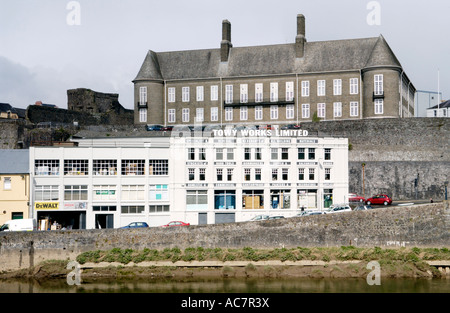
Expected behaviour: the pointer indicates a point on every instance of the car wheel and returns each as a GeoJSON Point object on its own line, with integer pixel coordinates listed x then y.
{"type": "Point", "coordinates": [368, 203]}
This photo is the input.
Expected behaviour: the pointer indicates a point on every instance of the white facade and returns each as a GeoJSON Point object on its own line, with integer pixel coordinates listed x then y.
{"type": "Point", "coordinates": [113, 182]}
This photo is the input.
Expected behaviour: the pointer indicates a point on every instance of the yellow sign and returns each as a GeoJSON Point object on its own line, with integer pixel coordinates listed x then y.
{"type": "Point", "coordinates": [46, 205]}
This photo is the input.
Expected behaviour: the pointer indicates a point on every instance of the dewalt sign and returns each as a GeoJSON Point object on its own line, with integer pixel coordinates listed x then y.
{"type": "Point", "coordinates": [46, 205]}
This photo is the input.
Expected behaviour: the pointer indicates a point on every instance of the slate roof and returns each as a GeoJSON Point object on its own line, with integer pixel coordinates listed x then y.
{"type": "Point", "coordinates": [320, 56]}
{"type": "Point", "coordinates": [443, 105]}
{"type": "Point", "coordinates": [5, 107]}
{"type": "Point", "coordinates": [14, 161]}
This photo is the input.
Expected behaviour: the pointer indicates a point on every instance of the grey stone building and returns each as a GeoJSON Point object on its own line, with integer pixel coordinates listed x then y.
{"type": "Point", "coordinates": [273, 84]}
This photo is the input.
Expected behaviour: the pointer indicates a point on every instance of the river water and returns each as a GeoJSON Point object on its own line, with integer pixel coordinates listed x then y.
{"type": "Point", "coordinates": [228, 285]}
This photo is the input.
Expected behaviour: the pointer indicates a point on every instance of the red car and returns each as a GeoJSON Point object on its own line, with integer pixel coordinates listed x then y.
{"type": "Point", "coordinates": [379, 199]}
{"type": "Point", "coordinates": [176, 223]}
{"type": "Point", "coordinates": [353, 197]}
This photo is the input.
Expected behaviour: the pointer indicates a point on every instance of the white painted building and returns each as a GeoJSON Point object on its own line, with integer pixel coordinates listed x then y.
{"type": "Point", "coordinates": [111, 182]}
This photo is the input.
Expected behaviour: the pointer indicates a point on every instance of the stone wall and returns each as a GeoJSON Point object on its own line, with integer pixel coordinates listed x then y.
{"type": "Point", "coordinates": [421, 226]}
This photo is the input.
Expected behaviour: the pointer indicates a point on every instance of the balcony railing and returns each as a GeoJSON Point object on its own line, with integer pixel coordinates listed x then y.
{"type": "Point", "coordinates": [253, 102]}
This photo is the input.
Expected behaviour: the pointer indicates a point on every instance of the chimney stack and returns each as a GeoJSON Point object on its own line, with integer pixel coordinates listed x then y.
{"type": "Point", "coordinates": [225, 44]}
{"type": "Point", "coordinates": [300, 39]}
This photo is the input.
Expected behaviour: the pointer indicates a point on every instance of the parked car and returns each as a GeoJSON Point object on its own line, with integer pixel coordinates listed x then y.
{"type": "Point", "coordinates": [154, 127]}
{"type": "Point", "coordinates": [136, 225]}
{"type": "Point", "coordinates": [167, 128]}
{"type": "Point", "coordinates": [176, 223]}
{"type": "Point", "coordinates": [260, 218]}
{"type": "Point", "coordinates": [275, 217]}
{"type": "Point", "coordinates": [379, 199]}
{"type": "Point", "coordinates": [290, 126]}
{"type": "Point", "coordinates": [28, 224]}
{"type": "Point", "coordinates": [363, 207]}
{"type": "Point", "coordinates": [353, 197]}
{"type": "Point", "coordinates": [314, 213]}
{"type": "Point", "coordinates": [339, 208]}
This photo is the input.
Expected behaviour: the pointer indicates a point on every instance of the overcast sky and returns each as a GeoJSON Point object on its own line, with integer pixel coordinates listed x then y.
{"type": "Point", "coordinates": [49, 46]}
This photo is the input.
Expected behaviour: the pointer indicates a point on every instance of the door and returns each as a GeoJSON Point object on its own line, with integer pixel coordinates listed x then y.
{"type": "Point", "coordinates": [103, 221]}
{"type": "Point", "coordinates": [202, 218]}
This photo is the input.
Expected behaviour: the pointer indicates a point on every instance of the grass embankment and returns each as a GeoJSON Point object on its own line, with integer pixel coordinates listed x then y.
{"type": "Point", "coordinates": [398, 262]}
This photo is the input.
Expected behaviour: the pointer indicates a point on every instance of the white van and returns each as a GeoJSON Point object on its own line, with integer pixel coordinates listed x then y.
{"type": "Point", "coordinates": [19, 225]}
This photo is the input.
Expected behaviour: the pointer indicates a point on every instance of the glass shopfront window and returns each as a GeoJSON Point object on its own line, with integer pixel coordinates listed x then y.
{"type": "Point", "coordinates": [280, 199]}
{"type": "Point", "coordinates": [225, 199]}
{"type": "Point", "coordinates": [253, 199]}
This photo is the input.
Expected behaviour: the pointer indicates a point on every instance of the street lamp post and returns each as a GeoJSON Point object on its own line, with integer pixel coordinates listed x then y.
{"type": "Point", "coordinates": [446, 184]}
{"type": "Point", "coordinates": [364, 192]}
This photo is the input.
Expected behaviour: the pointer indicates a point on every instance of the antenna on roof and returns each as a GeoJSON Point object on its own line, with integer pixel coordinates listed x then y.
{"type": "Point", "coordinates": [439, 95]}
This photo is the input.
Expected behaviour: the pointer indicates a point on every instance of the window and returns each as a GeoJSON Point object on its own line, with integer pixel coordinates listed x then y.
{"type": "Point", "coordinates": [327, 174]}
{"type": "Point", "coordinates": [104, 192]}
{"type": "Point", "coordinates": [158, 193]}
{"type": "Point", "coordinates": [219, 153]}
{"type": "Point", "coordinates": [289, 111]}
{"type": "Point", "coordinates": [196, 199]}
{"type": "Point", "coordinates": [247, 154]}
{"type": "Point", "coordinates": [228, 114]}
{"type": "Point", "coordinates": [258, 92]}
{"type": "Point", "coordinates": [142, 95]}
{"type": "Point", "coordinates": [327, 155]}
{"type": "Point", "coordinates": [274, 174]}
{"type": "Point", "coordinates": [321, 88]}
{"type": "Point", "coordinates": [185, 94]}
{"type": "Point", "coordinates": [379, 103]}
{"type": "Point", "coordinates": [133, 167]}
{"type": "Point", "coordinates": [274, 112]}
{"type": "Point", "coordinates": [230, 154]}
{"type": "Point", "coordinates": [285, 153]}
{"type": "Point", "coordinates": [229, 174]}
{"type": "Point", "coordinates": [202, 174]}
{"type": "Point", "coordinates": [280, 199]}
{"type": "Point", "coordinates": [171, 94]}
{"type": "Point", "coordinates": [191, 174]}
{"type": "Point", "coordinates": [354, 108]}
{"type": "Point", "coordinates": [301, 153]}
{"type": "Point", "coordinates": [257, 174]}
{"type": "Point", "coordinates": [244, 93]}
{"type": "Point", "coordinates": [274, 153]}
{"type": "Point", "coordinates": [185, 115]}
{"type": "Point", "coordinates": [46, 193]}
{"type": "Point", "coordinates": [143, 115]}
{"type": "Point", "coordinates": [311, 174]}
{"type": "Point", "coordinates": [305, 110]}
{"type": "Point", "coordinates": [191, 154]}
{"type": "Point", "coordinates": [76, 193]}
{"type": "Point", "coordinates": [337, 87]}
{"type": "Point", "coordinates": [273, 92]}
{"type": "Point", "coordinates": [244, 113]}
{"type": "Point", "coordinates": [219, 173]}
{"type": "Point", "coordinates": [311, 153]}
{"type": "Point", "coordinates": [289, 91]}
{"type": "Point", "coordinates": [224, 199]}
{"type": "Point", "coordinates": [199, 114]}
{"type": "Point", "coordinates": [258, 113]}
{"type": "Point", "coordinates": [199, 93]}
{"type": "Point", "coordinates": [214, 114]}
{"type": "Point", "coordinates": [104, 208]}
{"type": "Point", "coordinates": [7, 183]}
{"type": "Point", "coordinates": [229, 94]}
{"type": "Point", "coordinates": [321, 110]}
{"type": "Point", "coordinates": [171, 116]}
{"type": "Point", "coordinates": [378, 87]}
{"type": "Point", "coordinates": [202, 154]}
{"type": "Point", "coordinates": [76, 167]}
{"type": "Point", "coordinates": [305, 88]}
{"type": "Point", "coordinates": [258, 154]}
{"type": "Point", "coordinates": [337, 109]}
{"type": "Point", "coordinates": [158, 167]}
{"type": "Point", "coordinates": [354, 88]}
{"type": "Point", "coordinates": [159, 208]}
{"type": "Point", "coordinates": [253, 199]}
{"type": "Point", "coordinates": [214, 93]}
{"type": "Point", "coordinates": [285, 174]}
{"type": "Point", "coordinates": [132, 192]}
{"type": "Point", "coordinates": [247, 173]}
{"type": "Point", "coordinates": [301, 174]}
{"type": "Point", "coordinates": [46, 167]}
{"type": "Point", "coordinates": [132, 209]}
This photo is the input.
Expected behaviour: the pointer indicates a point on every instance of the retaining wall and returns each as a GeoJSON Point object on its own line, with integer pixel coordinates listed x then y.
{"type": "Point", "coordinates": [421, 226]}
